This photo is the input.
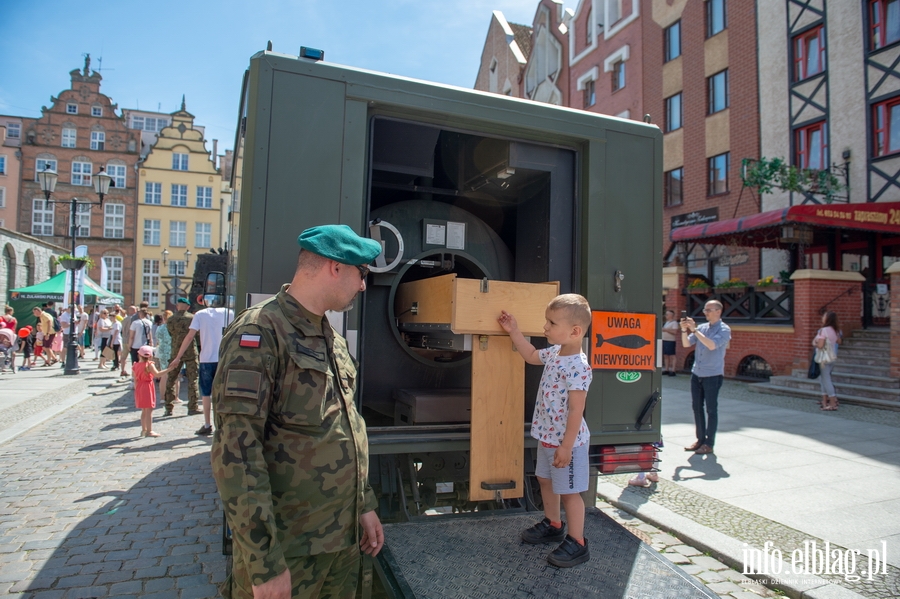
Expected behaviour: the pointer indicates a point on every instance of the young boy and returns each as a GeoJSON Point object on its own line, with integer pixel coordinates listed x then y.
{"type": "Point", "coordinates": [558, 425]}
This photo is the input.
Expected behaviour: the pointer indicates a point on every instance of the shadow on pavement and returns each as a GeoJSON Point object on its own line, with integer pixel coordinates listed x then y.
{"type": "Point", "coordinates": [707, 466]}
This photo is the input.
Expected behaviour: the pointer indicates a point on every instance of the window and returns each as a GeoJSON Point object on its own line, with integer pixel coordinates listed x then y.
{"type": "Point", "coordinates": [113, 273]}
{"type": "Point", "coordinates": [114, 221]}
{"type": "Point", "coordinates": [68, 137]}
{"type": "Point", "coordinates": [137, 122]}
{"type": "Point", "coordinates": [41, 217]}
{"type": "Point", "coordinates": [673, 185]}
{"type": "Point", "coordinates": [673, 112]}
{"type": "Point", "coordinates": [2, 198]}
{"type": "Point", "coordinates": [884, 20]}
{"type": "Point", "coordinates": [156, 124]}
{"type": "Point", "coordinates": [98, 140]}
{"type": "Point", "coordinates": [809, 53]}
{"type": "Point", "coordinates": [718, 92]}
{"type": "Point", "coordinates": [886, 127]}
{"type": "Point", "coordinates": [614, 11]}
{"type": "Point", "coordinates": [179, 195]}
{"type": "Point", "coordinates": [96, 111]}
{"type": "Point", "coordinates": [588, 29]}
{"type": "Point", "coordinates": [81, 173]}
{"type": "Point", "coordinates": [13, 130]}
{"type": "Point", "coordinates": [153, 193]}
{"type": "Point", "coordinates": [718, 174]}
{"type": "Point", "coordinates": [150, 282]}
{"type": "Point", "coordinates": [177, 268]}
{"type": "Point", "coordinates": [590, 93]}
{"type": "Point", "coordinates": [71, 108]}
{"type": "Point", "coordinates": [2, 165]}
{"type": "Point", "coordinates": [715, 17]}
{"type": "Point", "coordinates": [203, 235]}
{"type": "Point", "coordinates": [204, 197]}
{"type": "Point", "coordinates": [811, 146]}
{"type": "Point", "coordinates": [42, 164]}
{"type": "Point", "coordinates": [178, 233]}
{"type": "Point", "coordinates": [673, 41]}
{"type": "Point", "coordinates": [117, 172]}
{"type": "Point", "coordinates": [151, 231]}
{"type": "Point", "coordinates": [179, 162]}
{"type": "Point", "coordinates": [83, 220]}
{"type": "Point", "coordinates": [618, 75]}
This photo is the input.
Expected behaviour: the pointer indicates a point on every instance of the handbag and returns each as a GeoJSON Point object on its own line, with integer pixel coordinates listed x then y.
{"type": "Point", "coordinates": [825, 354]}
{"type": "Point", "coordinates": [814, 369]}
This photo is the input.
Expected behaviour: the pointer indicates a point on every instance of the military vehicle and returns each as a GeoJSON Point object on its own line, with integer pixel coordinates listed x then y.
{"type": "Point", "coordinates": [481, 202]}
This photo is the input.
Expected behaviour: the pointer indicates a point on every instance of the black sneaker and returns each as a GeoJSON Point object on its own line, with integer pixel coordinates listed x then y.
{"type": "Point", "coordinates": [542, 532]}
{"type": "Point", "coordinates": [168, 412]}
{"type": "Point", "coordinates": [204, 430]}
{"type": "Point", "coordinates": [569, 553]}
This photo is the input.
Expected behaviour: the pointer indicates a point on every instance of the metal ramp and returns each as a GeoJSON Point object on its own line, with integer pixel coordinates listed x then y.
{"type": "Point", "coordinates": [481, 556]}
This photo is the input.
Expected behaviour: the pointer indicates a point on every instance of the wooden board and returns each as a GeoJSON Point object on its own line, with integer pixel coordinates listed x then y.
{"type": "Point", "coordinates": [498, 413]}
{"type": "Point", "coordinates": [434, 298]}
{"type": "Point", "coordinates": [476, 313]}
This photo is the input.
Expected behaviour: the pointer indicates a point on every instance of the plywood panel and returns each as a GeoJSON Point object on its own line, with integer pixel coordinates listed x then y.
{"type": "Point", "coordinates": [476, 313]}
{"type": "Point", "coordinates": [433, 296]}
{"type": "Point", "coordinates": [498, 414]}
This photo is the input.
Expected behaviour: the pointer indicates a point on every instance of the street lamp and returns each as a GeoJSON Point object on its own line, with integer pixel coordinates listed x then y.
{"type": "Point", "coordinates": [175, 283]}
{"type": "Point", "coordinates": [48, 178]}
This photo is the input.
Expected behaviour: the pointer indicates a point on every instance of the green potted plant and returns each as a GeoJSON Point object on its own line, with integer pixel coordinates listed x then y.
{"type": "Point", "coordinates": [70, 262]}
{"type": "Point", "coordinates": [732, 285]}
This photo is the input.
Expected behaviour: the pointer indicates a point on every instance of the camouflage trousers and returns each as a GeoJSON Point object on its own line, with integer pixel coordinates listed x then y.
{"type": "Point", "coordinates": [192, 369]}
{"type": "Point", "coordinates": [323, 576]}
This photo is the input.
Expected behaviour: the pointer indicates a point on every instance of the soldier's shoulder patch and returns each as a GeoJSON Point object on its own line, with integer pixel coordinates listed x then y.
{"type": "Point", "coordinates": [251, 341]}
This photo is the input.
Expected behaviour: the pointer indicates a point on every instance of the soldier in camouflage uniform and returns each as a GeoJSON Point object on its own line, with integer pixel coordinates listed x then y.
{"type": "Point", "coordinates": [179, 324]}
{"type": "Point", "coordinates": [290, 452]}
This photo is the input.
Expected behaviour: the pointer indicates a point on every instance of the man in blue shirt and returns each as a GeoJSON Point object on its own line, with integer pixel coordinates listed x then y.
{"type": "Point", "coordinates": [711, 339]}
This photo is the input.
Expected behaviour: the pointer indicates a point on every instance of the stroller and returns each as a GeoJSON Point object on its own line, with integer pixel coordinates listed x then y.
{"type": "Point", "coordinates": [7, 353]}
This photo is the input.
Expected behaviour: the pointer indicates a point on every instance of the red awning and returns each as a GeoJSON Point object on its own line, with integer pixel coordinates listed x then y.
{"type": "Point", "coordinates": [764, 229]}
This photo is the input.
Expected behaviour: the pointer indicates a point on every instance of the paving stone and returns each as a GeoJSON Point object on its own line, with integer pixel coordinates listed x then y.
{"type": "Point", "coordinates": [709, 576]}
{"type": "Point", "coordinates": [127, 588]}
{"type": "Point", "coordinates": [709, 563]}
{"type": "Point", "coordinates": [48, 595]}
{"type": "Point", "coordinates": [159, 584]}
{"type": "Point", "coordinates": [685, 550]}
{"type": "Point", "coordinates": [84, 580]}
{"type": "Point", "coordinates": [200, 592]}
{"type": "Point", "coordinates": [117, 576]}
{"type": "Point", "coordinates": [724, 587]}
{"type": "Point", "coordinates": [86, 593]}
{"type": "Point", "coordinates": [677, 558]}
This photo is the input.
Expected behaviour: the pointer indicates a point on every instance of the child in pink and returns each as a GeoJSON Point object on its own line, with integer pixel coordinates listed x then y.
{"type": "Point", "coordinates": [145, 389]}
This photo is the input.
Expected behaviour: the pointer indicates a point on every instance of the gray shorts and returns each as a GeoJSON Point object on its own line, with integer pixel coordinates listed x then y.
{"type": "Point", "coordinates": [569, 479]}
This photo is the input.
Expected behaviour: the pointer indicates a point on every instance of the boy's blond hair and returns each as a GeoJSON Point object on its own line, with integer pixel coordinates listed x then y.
{"type": "Point", "coordinates": [574, 307]}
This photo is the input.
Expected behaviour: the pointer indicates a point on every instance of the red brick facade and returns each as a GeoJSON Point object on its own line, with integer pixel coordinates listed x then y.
{"type": "Point", "coordinates": [43, 139]}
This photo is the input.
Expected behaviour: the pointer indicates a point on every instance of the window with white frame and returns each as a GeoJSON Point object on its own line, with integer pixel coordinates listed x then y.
{"type": "Point", "coordinates": [69, 136]}
{"type": "Point", "coordinates": [179, 162]}
{"type": "Point", "coordinates": [178, 233]}
{"type": "Point", "coordinates": [98, 140]}
{"type": "Point", "coordinates": [114, 221]}
{"type": "Point", "coordinates": [203, 235]}
{"type": "Point", "coordinates": [179, 194]}
{"type": "Point", "coordinates": [151, 231]}
{"type": "Point", "coordinates": [615, 65]}
{"type": "Point", "coordinates": [148, 123]}
{"type": "Point", "coordinates": [587, 84]}
{"type": "Point", "coordinates": [152, 193]}
{"type": "Point", "coordinates": [117, 172]}
{"type": "Point", "coordinates": [13, 131]}
{"type": "Point", "coordinates": [96, 111]}
{"type": "Point", "coordinates": [204, 197]}
{"type": "Point", "coordinates": [618, 75]}
{"type": "Point", "coordinates": [2, 164]}
{"type": "Point", "coordinates": [71, 108]}
{"type": "Point", "coordinates": [613, 11]}
{"type": "Point", "coordinates": [83, 220]}
{"type": "Point", "coordinates": [41, 217]}
{"type": "Point", "coordinates": [81, 173]}
{"type": "Point", "coordinates": [2, 197]}
{"type": "Point", "coordinates": [42, 164]}
{"type": "Point", "coordinates": [137, 122]}
{"type": "Point", "coordinates": [177, 268]}
{"type": "Point", "coordinates": [113, 273]}
{"type": "Point", "coordinates": [150, 282]}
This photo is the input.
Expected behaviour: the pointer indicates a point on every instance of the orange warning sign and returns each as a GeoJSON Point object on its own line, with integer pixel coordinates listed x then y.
{"type": "Point", "coordinates": [623, 341]}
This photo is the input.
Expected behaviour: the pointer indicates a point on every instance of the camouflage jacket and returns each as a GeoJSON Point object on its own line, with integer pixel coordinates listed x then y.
{"type": "Point", "coordinates": [290, 452]}
{"type": "Point", "coordinates": [179, 324]}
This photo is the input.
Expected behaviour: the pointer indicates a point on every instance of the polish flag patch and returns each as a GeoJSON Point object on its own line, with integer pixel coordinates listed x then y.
{"type": "Point", "coordinates": [250, 341]}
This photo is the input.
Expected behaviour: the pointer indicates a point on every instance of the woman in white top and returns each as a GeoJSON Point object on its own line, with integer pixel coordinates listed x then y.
{"type": "Point", "coordinates": [104, 332]}
{"type": "Point", "coordinates": [829, 334]}
{"type": "Point", "coordinates": [669, 336]}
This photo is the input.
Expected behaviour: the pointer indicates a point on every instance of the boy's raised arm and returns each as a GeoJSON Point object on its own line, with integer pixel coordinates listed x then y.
{"type": "Point", "coordinates": [527, 350]}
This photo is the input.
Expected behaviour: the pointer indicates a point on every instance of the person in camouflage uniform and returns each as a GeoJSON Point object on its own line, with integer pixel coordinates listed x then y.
{"type": "Point", "coordinates": [290, 452]}
{"type": "Point", "coordinates": [179, 324]}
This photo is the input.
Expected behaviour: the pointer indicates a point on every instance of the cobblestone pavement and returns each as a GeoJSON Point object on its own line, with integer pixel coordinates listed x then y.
{"type": "Point", "coordinates": [90, 509]}
{"type": "Point", "coordinates": [718, 577]}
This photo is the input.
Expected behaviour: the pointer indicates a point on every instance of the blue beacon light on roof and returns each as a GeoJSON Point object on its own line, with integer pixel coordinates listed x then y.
{"type": "Point", "coordinates": [312, 53]}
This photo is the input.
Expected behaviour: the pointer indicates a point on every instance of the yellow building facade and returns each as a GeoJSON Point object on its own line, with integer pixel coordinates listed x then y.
{"type": "Point", "coordinates": [180, 212]}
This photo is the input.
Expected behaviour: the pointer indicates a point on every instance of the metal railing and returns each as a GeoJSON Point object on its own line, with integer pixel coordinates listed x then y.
{"type": "Point", "coordinates": [746, 305]}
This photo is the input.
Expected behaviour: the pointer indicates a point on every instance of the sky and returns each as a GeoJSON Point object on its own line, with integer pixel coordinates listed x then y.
{"type": "Point", "coordinates": [153, 52]}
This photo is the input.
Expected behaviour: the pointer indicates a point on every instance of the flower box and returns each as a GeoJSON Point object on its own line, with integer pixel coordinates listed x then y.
{"type": "Point", "coordinates": [73, 263]}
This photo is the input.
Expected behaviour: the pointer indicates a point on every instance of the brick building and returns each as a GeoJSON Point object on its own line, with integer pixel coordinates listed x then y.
{"type": "Point", "coordinates": [503, 58]}
{"type": "Point", "coordinates": [79, 134]}
{"type": "Point", "coordinates": [10, 169]}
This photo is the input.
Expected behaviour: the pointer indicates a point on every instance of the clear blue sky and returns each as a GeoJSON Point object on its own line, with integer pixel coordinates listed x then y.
{"type": "Point", "coordinates": [153, 52]}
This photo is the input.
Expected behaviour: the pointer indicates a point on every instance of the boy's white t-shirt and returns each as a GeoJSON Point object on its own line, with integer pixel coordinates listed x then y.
{"type": "Point", "coordinates": [551, 409]}
{"type": "Point", "coordinates": [209, 324]}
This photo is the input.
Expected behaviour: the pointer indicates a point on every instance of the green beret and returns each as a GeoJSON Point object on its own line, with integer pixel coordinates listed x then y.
{"type": "Point", "coordinates": [183, 300]}
{"type": "Point", "coordinates": [339, 243]}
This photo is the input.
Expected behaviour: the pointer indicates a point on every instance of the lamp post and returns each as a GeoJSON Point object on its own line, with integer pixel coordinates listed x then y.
{"type": "Point", "coordinates": [47, 179]}
{"type": "Point", "coordinates": [175, 281]}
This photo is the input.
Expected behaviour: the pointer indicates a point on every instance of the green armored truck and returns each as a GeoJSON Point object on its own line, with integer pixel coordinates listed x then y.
{"type": "Point", "coordinates": [481, 202]}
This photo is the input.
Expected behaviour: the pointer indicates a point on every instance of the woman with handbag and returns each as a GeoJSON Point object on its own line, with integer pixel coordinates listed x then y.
{"type": "Point", "coordinates": [826, 342]}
